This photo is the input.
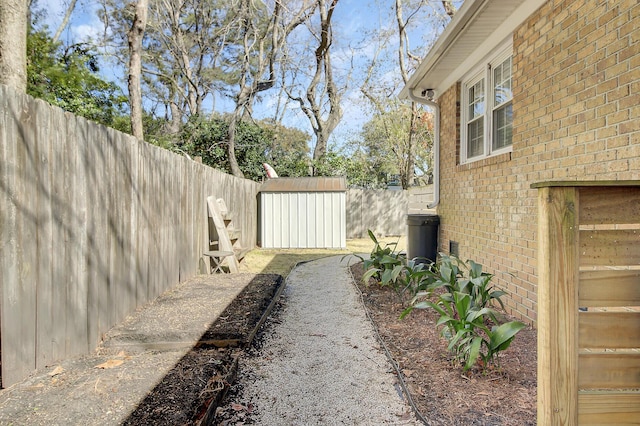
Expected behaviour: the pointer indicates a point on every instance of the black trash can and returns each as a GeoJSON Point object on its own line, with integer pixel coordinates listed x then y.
{"type": "Point", "coordinates": [422, 237]}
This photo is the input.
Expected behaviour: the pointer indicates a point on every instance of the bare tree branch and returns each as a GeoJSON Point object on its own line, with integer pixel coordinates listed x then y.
{"type": "Point", "coordinates": [65, 20]}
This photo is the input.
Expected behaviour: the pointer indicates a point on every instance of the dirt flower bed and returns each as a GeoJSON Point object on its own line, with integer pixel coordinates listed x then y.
{"type": "Point", "coordinates": [443, 392]}
{"type": "Point", "coordinates": [193, 389]}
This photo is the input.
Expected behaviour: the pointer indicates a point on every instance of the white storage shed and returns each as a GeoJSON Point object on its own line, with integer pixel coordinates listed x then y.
{"type": "Point", "coordinates": [304, 212]}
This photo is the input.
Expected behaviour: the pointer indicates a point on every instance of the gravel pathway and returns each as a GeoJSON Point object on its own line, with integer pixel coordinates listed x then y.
{"type": "Point", "coordinates": [321, 363]}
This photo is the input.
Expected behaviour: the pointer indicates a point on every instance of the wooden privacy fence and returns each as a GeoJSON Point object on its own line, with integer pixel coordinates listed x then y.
{"type": "Point", "coordinates": [93, 224]}
{"type": "Point", "coordinates": [384, 211]}
{"type": "Point", "coordinates": [588, 303]}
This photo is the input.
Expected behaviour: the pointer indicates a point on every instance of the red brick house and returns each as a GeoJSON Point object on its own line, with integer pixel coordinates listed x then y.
{"type": "Point", "coordinates": [527, 91]}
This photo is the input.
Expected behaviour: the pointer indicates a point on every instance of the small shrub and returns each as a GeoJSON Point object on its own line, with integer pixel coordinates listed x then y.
{"type": "Point", "coordinates": [391, 268]}
{"type": "Point", "coordinates": [413, 277]}
{"type": "Point", "coordinates": [384, 263]}
{"type": "Point", "coordinates": [469, 322]}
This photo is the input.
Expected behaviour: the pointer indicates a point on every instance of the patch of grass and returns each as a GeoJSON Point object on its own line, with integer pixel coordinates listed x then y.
{"type": "Point", "coordinates": [366, 245]}
{"type": "Point", "coordinates": [281, 261]}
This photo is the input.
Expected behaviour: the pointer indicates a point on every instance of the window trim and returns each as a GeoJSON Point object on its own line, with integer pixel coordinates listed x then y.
{"type": "Point", "coordinates": [483, 71]}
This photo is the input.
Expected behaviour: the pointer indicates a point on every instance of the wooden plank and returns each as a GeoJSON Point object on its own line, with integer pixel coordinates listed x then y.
{"type": "Point", "coordinates": [225, 243]}
{"type": "Point", "coordinates": [354, 217]}
{"type": "Point", "coordinates": [81, 311]}
{"type": "Point", "coordinates": [124, 293]}
{"type": "Point", "coordinates": [607, 408]}
{"type": "Point", "coordinates": [609, 330]}
{"type": "Point", "coordinates": [65, 225]}
{"type": "Point", "coordinates": [17, 239]}
{"type": "Point", "coordinates": [96, 187]}
{"type": "Point", "coordinates": [46, 259]}
{"type": "Point", "coordinates": [557, 306]}
{"type": "Point", "coordinates": [620, 247]}
{"type": "Point", "coordinates": [142, 237]}
{"type": "Point", "coordinates": [19, 310]}
{"type": "Point", "coordinates": [609, 370]}
{"type": "Point", "coordinates": [609, 288]}
{"type": "Point", "coordinates": [7, 217]}
{"type": "Point", "coordinates": [112, 248]}
{"type": "Point", "coordinates": [609, 205]}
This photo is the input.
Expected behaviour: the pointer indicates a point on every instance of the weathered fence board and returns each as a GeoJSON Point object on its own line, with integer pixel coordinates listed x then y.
{"type": "Point", "coordinates": [382, 211]}
{"type": "Point", "coordinates": [19, 223]}
{"type": "Point", "coordinates": [93, 224]}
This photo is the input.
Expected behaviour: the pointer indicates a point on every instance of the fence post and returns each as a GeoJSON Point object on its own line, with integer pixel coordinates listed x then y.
{"type": "Point", "coordinates": [558, 306]}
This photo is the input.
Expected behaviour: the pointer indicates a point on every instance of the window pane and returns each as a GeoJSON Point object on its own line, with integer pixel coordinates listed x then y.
{"type": "Point", "coordinates": [475, 138]}
{"type": "Point", "coordinates": [502, 83]}
{"type": "Point", "coordinates": [476, 100]}
{"type": "Point", "coordinates": [502, 126]}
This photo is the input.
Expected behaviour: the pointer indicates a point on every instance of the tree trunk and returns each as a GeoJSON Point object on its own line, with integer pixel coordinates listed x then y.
{"type": "Point", "coordinates": [323, 77]}
{"type": "Point", "coordinates": [175, 123]}
{"type": "Point", "coordinates": [135, 35]}
{"type": "Point", "coordinates": [234, 168]}
{"type": "Point", "coordinates": [13, 44]}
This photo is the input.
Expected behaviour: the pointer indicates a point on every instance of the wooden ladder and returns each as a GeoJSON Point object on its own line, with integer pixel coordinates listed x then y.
{"type": "Point", "coordinates": [226, 248]}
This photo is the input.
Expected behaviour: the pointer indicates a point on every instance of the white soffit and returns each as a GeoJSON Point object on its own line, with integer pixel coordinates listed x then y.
{"type": "Point", "coordinates": [476, 29]}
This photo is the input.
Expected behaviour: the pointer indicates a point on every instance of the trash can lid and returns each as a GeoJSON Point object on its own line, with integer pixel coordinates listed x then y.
{"type": "Point", "coordinates": [423, 219]}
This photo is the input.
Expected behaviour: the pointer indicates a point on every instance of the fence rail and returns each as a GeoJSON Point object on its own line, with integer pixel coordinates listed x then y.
{"type": "Point", "coordinates": [589, 303]}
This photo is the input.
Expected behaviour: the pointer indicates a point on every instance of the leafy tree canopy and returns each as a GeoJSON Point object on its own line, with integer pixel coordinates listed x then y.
{"type": "Point", "coordinates": [283, 148]}
{"type": "Point", "coordinates": [68, 77]}
{"type": "Point", "coordinates": [385, 136]}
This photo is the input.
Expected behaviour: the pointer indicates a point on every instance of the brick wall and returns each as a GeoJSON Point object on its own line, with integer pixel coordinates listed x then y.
{"type": "Point", "coordinates": [576, 112]}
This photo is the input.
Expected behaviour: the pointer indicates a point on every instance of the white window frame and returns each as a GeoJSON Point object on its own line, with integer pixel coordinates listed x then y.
{"type": "Point", "coordinates": [484, 71]}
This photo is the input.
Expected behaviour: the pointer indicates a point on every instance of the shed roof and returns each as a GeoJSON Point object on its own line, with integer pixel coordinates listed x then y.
{"type": "Point", "coordinates": [305, 184]}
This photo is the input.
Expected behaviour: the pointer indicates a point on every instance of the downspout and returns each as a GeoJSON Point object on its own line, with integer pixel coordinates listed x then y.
{"type": "Point", "coordinates": [436, 140]}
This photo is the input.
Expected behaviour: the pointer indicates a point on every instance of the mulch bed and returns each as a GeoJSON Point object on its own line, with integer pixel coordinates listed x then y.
{"type": "Point", "coordinates": [184, 395]}
{"type": "Point", "coordinates": [239, 322]}
{"type": "Point", "coordinates": [191, 392]}
{"type": "Point", "coordinates": [442, 392]}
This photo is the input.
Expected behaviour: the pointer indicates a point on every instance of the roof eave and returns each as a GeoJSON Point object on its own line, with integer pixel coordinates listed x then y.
{"type": "Point", "coordinates": [443, 43]}
{"type": "Point", "coordinates": [474, 14]}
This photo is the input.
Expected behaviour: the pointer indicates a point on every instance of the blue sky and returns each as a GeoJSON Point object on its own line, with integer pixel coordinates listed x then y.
{"type": "Point", "coordinates": [352, 19]}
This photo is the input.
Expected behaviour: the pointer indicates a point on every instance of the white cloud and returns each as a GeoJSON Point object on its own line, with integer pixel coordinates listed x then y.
{"type": "Point", "coordinates": [83, 25]}
{"type": "Point", "coordinates": [86, 32]}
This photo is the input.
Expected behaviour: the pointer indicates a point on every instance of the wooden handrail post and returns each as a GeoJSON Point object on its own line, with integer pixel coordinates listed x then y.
{"type": "Point", "coordinates": [558, 305]}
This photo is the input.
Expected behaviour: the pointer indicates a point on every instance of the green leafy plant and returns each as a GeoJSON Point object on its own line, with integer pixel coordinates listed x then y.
{"type": "Point", "coordinates": [463, 295]}
{"type": "Point", "coordinates": [413, 277]}
{"type": "Point", "coordinates": [390, 268]}
{"type": "Point", "coordinates": [384, 263]}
